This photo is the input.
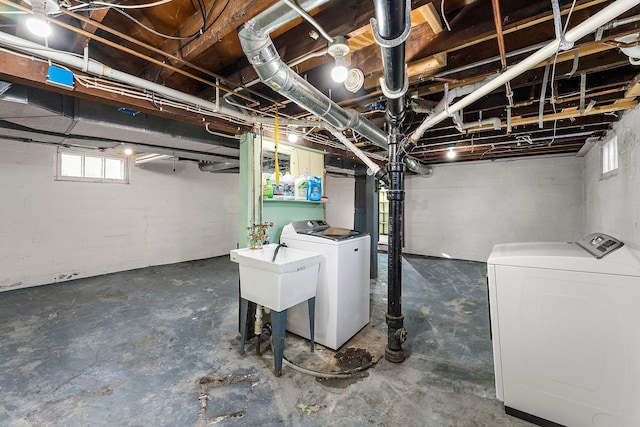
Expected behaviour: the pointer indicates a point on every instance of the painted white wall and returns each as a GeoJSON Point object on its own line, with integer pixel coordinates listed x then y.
{"type": "Point", "coordinates": [339, 210]}
{"type": "Point", "coordinates": [466, 208]}
{"type": "Point", "coordinates": [56, 230]}
{"type": "Point", "coordinates": [613, 203]}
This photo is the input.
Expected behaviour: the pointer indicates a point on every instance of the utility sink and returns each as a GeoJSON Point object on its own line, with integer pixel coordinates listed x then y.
{"type": "Point", "coordinates": [280, 284]}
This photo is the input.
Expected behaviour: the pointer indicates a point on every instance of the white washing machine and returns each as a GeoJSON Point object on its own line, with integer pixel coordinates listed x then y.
{"type": "Point", "coordinates": [342, 296]}
{"type": "Point", "coordinates": [566, 331]}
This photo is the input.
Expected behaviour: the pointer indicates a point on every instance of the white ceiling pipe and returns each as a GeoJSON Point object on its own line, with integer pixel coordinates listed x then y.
{"type": "Point", "coordinates": [459, 123]}
{"type": "Point", "coordinates": [573, 35]}
{"type": "Point", "coordinates": [375, 169]}
{"type": "Point", "coordinates": [98, 69]}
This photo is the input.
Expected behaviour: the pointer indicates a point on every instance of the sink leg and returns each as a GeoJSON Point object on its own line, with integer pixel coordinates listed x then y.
{"type": "Point", "coordinates": [312, 324]}
{"type": "Point", "coordinates": [244, 307]}
{"type": "Point", "coordinates": [279, 326]}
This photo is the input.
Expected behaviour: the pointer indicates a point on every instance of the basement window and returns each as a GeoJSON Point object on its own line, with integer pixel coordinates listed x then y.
{"type": "Point", "coordinates": [610, 157]}
{"type": "Point", "coordinates": [90, 166]}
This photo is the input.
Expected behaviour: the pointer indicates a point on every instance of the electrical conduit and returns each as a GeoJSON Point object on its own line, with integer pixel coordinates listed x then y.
{"type": "Point", "coordinates": [98, 69]}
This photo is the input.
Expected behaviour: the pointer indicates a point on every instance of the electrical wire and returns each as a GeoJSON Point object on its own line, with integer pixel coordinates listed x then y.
{"type": "Point", "coordinates": [194, 36]}
{"type": "Point", "coordinates": [444, 18]}
{"type": "Point", "coordinates": [118, 8]}
{"type": "Point", "coordinates": [121, 6]}
{"type": "Point", "coordinates": [151, 30]}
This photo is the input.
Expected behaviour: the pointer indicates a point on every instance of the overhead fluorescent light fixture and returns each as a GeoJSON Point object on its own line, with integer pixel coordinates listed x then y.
{"type": "Point", "coordinates": [151, 158]}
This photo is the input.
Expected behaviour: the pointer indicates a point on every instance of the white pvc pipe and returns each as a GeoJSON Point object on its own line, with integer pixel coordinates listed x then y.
{"type": "Point", "coordinates": [373, 166]}
{"type": "Point", "coordinates": [573, 35]}
{"type": "Point", "coordinates": [98, 69]}
{"type": "Point", "coordinates": [494, 122]}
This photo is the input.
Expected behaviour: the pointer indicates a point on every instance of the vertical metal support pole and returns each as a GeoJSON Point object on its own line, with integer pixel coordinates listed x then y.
{"type": "Point", "coordinates": [395, 319]}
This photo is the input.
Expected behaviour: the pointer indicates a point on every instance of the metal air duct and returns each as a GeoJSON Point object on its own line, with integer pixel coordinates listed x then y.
{"type": "Point", "coordinates": [262, 54]}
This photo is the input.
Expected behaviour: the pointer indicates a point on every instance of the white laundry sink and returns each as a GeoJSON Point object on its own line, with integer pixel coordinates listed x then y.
{"type": "Point", "coordinates": [280, 284]}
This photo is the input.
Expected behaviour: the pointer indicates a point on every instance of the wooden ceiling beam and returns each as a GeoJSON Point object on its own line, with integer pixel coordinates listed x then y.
{"type": "Point", "coordinates": [477, 25]}
{"type": "Point", "coordinates": [28, 72]}
{"type": "Point", "coordinates": [232, 15]}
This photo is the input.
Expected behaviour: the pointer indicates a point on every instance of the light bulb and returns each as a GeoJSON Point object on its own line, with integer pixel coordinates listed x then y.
{"type": "Point", "coordinates": [340, 72]}
{"type": "Point", "coordinates": [128, 151]}
{"type": "Point", "coordinates": [292, 137]}
{"type": "Point", "coordinates": [38, 26]}
{"type": "Point", "coordinates": [451, 154]}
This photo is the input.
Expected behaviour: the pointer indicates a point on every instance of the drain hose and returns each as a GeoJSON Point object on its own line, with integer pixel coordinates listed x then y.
{"type": "Point", "coordinates": [338, 375]}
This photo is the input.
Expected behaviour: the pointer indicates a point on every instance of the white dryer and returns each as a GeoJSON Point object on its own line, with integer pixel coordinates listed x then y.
{"type": "Point", "coordinates": [342, 296]}
{"type": "Point", "coordinates": [566, 331]}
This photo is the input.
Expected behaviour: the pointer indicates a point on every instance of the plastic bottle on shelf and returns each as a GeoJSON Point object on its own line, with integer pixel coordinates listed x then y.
{"type": "Point", "coordinates": [267, 190]}
{"type": "Point", "coordinates": [288, 181]}
{"type": "Point", "coordinates": [301, 187]}
{"type": "Point", "coordinates": [278, 189]}
{"type": "Point", "coordinates": [314, 189]}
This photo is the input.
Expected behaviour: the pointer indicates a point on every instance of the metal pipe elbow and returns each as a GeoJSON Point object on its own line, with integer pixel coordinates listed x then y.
{"type": "Point", "coordinates": [415, 166]}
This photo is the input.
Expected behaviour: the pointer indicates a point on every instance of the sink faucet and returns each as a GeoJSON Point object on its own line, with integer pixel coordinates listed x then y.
{"type": "Point", "coordinates": [258, 234]}
{"type": "Point", "coordinates": [275, 253]}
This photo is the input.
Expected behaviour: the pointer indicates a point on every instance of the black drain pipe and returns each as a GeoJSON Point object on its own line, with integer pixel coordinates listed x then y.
{"type": "Point", "coordinates": [391, 29]}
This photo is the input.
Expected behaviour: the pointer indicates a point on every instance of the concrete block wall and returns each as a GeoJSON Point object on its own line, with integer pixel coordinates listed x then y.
{"type": "Point", "coordinates": [613, 203]}
{"type": "Point", "coordinates": [466, 208]}
{"type": "Point", "coordinates": [52, 231]}
{"type": "Point", "coordinates": [339, 210]}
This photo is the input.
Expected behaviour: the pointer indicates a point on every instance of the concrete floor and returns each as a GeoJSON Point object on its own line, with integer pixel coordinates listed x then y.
{"type": "Point", "coordinates": [159, 347]}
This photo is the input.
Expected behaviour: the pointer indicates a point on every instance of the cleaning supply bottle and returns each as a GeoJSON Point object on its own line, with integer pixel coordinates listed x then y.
{"type": "Point", "coordinates": [301, 187]}
{"type": "Point", "coordinates": [289, 186]}
{"type": "Point", "coordinates": [267, 191]}
{"type": "Point", "coordinates": [314, 189]}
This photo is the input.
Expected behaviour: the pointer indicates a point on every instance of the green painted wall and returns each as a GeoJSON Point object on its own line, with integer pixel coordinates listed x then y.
{"type": "Point", "coordinates": [280, 212]}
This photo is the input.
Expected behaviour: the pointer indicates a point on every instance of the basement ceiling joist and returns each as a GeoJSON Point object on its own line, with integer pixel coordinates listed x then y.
{"type": "Point", "coordinates": [193, 47]}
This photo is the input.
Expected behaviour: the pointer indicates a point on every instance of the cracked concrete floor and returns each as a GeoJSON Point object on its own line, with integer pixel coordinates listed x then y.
{"type": "Point", "coordinates": [159, 347]}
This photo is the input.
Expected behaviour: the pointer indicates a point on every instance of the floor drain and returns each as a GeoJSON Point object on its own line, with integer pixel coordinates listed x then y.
{"type": "Point", "coordinates": [352, 358]}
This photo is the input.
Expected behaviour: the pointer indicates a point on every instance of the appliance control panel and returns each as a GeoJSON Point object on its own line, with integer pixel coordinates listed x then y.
{"type": "Point", "coordinates": [309, 226]}
{"type": "Point", "coordinates": [599, 244]}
